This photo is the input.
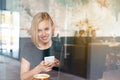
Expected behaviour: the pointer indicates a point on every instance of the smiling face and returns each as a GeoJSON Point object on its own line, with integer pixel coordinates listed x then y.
{"type": "Point", "coordinates": [44, 32]}
{"type": "Point", "coordinates": [42, 29]}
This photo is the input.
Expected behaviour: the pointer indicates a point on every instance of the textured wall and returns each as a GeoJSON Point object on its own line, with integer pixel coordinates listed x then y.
{"type": "Point", "coordinates": [103, 15]}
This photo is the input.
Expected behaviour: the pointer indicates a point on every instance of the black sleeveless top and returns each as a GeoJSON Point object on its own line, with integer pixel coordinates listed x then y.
{"type": "Point", "coordinates": [34, 55]}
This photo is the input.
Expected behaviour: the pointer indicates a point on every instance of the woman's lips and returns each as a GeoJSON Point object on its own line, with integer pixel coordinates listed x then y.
{"type": "Point", "coordinates": [44, 38]}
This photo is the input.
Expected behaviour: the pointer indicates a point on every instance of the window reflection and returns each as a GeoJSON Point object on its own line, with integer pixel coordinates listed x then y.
{"type": "Point", "coordinates": [9, 34]}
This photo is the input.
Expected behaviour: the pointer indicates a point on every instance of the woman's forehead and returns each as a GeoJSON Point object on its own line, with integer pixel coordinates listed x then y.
{"type": "Point", "coordinates": [44, 23]}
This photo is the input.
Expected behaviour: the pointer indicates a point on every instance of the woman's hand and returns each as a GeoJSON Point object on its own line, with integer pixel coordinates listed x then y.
{"type": "Point", "coordinates": [56, 62]}
{"type": "Point", "coordinates": [46, 66]}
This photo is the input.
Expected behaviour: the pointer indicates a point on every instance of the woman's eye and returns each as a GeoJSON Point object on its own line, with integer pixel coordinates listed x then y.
{"type": "Point", "coordinates": [47, 29]}
{"type": "Point", "coordinates": [39, 30]}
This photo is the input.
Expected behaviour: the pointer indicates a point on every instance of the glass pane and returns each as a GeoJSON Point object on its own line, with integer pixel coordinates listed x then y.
{"type": "Point", "coordinates": [86, 38]}
{"type": "Point", "coordinates": [9, 41]}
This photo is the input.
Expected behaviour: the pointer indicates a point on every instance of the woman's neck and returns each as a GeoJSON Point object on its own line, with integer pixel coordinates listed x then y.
{"type": "Point", "coordinates": [45, 45]}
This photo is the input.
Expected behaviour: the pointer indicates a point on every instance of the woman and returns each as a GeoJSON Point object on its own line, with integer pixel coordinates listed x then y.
{"type": "Point", "coordinates": [32, 56]}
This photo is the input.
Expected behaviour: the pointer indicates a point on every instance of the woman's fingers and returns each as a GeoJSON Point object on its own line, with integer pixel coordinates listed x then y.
{"type": "Point", "coordinates": [57, 62]}
{"type": "Point", "coordinates": [47, 66]}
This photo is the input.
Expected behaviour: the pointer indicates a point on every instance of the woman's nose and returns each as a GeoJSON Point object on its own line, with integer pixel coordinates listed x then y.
{"type": "Point", "coordinates": [43, 33]}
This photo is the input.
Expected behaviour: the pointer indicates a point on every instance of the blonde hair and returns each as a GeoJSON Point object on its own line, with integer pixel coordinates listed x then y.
{"type": "Point", "coordinates": [39, 17]}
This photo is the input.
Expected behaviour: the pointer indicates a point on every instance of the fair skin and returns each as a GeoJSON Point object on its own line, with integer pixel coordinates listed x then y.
{"type": "Point", "coordinates": [44, 35]}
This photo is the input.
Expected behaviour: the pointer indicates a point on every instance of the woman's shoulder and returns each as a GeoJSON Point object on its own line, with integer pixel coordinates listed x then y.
{"type": "Point", "coordinates": [28, 49]}
{"type": "Point", "coordinates": [29, 43]}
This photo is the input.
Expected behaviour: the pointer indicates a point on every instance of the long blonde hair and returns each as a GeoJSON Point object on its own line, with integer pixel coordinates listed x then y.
{"type": "Point", "coordinates": [39, 17]}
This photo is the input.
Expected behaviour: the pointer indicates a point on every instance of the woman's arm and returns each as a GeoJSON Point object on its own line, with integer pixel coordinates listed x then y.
{"type": "Point", "coordinates": [25, 70]}
{"type": "Point", "coordinates": [27, 74]}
